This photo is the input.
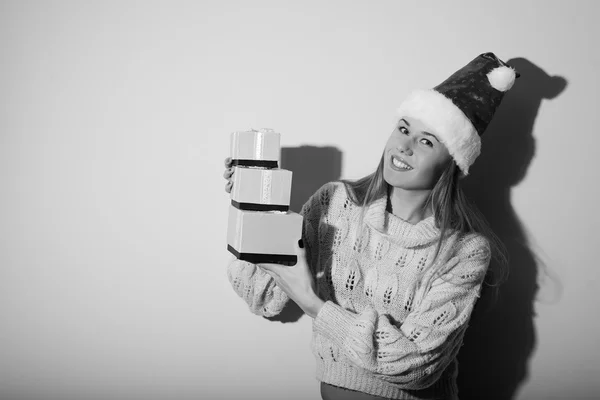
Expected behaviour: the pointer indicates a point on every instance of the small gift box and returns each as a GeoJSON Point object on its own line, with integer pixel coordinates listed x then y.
{"type": "Point", "coordinates": [255, 148]}
{"type": "Point", "coordinates": [264, 237]}
{"type": "Point", "coordinates": [261, 189]}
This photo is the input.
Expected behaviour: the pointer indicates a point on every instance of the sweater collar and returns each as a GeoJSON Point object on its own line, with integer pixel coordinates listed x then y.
{"type": "Point", "coordinates": [404, 233]}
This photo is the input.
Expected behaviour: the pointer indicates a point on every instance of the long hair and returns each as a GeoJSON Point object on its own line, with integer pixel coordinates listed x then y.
{"type": "Point", "coordinates": [451, 208]}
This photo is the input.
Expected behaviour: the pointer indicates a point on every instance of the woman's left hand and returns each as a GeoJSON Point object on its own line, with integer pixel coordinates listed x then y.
{"type": "Point", "coordinates": [297, 282]}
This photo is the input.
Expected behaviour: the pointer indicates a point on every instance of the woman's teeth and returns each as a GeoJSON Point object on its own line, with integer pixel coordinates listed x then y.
{"type": "Point", "coordinates": [399, 164]}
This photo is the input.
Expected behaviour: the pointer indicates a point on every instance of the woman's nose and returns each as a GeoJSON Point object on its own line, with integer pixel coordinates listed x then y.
{"type": "Point", "coordinates": [405, 149]}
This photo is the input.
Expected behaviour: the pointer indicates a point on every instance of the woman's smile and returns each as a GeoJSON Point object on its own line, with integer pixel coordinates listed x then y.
{"type": "Point", "coordinates": [399, 164]}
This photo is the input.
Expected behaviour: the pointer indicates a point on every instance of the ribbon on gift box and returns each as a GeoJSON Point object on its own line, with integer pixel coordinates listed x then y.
{"type": "Point", "coordinates": [266, 180]}
{"type": "Point", "coordinates": [259, 207]}
{"type": "Point", "coordinates": [258, 145]}
{"type": "Point", "coordinates": [258, 258]}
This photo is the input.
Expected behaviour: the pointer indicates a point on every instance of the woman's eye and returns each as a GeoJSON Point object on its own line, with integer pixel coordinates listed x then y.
{"type": "Point", "coordinates": [427, 142]}
{"type": "Point", "coordinates": [403, 130]}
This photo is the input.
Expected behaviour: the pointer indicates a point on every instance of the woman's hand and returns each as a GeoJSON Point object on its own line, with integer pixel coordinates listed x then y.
{"type": "Point", "coordinates": [228, 174]}
{"type": "Point", "coordinates": [297, 282]}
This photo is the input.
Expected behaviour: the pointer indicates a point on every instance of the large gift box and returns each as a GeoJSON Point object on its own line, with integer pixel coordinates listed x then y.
{"type": "Point", "coordinates": [255, 148]}
{"type": "Point", "coordinates": [264, 237]}
{"type": "Point", "coordinates": [261, 189]}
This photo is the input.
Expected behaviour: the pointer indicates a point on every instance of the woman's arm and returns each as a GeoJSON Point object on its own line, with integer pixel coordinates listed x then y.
{"type": "Point", "coordinates": [415, 353]}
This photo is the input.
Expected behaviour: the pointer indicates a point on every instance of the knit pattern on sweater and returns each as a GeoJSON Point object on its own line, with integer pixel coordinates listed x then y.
{"type": "Point", "coordinates": [393, 322]}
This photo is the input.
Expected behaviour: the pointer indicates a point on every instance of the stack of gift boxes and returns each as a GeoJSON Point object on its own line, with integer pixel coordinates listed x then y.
{"type": "Point", "coordinates": [261, 228]}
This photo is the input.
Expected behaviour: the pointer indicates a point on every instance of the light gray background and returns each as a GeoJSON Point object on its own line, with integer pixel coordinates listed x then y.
{"type": "Point", "coordinates": [115, 119]}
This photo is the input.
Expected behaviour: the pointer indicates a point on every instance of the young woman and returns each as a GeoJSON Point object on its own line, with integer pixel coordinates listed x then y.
{"type": "Point", "coordinates": [391, 266]}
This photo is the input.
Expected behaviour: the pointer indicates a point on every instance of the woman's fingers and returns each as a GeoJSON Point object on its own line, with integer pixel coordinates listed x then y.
{"type": "Point", "coordinates": [228, 174]}
{"type": "Point", "coordinates": [270, 269]}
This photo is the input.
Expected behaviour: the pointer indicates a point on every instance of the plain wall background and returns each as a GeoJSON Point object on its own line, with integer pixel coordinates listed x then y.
{"type": "Point", "coordinates": [114, 123]}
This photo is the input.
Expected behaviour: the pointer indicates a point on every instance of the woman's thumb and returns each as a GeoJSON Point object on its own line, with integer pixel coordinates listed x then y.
{"type": "Point", "coordinates": [300, 250]}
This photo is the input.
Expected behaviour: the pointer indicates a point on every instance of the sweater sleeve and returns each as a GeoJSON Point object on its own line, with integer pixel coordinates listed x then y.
{"type": "Point", "coordinates": [255, 286]}
{"type": "Point", "coordinates": [415, 353]}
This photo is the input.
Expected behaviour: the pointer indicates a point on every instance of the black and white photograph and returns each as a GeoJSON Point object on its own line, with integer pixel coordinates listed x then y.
{"type": "Point", "coordinates": [299, 200]}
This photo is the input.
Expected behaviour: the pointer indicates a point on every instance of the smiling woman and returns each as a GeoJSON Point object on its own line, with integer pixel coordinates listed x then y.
{"type": "Point", "coordinates": [411, 148]}
{"type": "Point", "coordinates": [393, 263]}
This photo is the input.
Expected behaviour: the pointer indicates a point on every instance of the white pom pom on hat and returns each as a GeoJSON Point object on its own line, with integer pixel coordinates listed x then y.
{"type": "Point", "coordinates": [502, 78]}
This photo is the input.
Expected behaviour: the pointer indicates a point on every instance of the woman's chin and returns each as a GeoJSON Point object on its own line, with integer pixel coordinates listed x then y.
{"type": "Point", "coordinates": [394, 179]}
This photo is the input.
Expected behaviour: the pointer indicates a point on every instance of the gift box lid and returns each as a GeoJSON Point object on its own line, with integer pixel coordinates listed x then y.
{"type": "Point", "coordinates": [256, 147]}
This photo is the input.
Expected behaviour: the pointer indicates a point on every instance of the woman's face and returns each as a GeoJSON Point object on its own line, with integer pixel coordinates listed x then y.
{"type": "Point", "coordinates": [414, 158]}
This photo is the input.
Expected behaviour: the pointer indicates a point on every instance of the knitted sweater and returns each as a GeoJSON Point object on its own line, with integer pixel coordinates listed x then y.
{"type": "Point", "coordinates": [392, 324]}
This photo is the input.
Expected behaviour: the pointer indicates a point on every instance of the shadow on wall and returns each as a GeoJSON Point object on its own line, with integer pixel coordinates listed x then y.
{"type": "Point", "coordinates": [312, 167]}
{"type": "Point", "coordinates": [499, 342]}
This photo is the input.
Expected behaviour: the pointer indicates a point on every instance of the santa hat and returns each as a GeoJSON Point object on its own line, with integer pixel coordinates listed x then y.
{"type": "Point", "coordinates": [459, 109]}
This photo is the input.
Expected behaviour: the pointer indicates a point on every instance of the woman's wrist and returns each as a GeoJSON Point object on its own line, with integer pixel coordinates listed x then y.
{"type": "Point", "coordinates": [314, 306]}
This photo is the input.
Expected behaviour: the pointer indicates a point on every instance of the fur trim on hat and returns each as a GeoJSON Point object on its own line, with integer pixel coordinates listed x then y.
{"type": "Point", "coordinates": [447, 122]}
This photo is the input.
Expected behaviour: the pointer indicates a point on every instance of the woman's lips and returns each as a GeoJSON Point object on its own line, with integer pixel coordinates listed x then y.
{"type": "Point", "coordinates": [399, 164]}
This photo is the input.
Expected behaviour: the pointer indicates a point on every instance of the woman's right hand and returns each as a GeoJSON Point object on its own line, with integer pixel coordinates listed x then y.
{"type": "Point", "coordinates": [228, 174]}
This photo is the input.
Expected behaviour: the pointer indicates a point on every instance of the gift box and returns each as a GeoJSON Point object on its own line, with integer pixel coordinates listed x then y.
{"type": "Point", "coordinates": [264, 237]}
{"type": "Point", "coordinates": [255, 148]}
{"type": "Point", "coordinates": [261, 189]}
